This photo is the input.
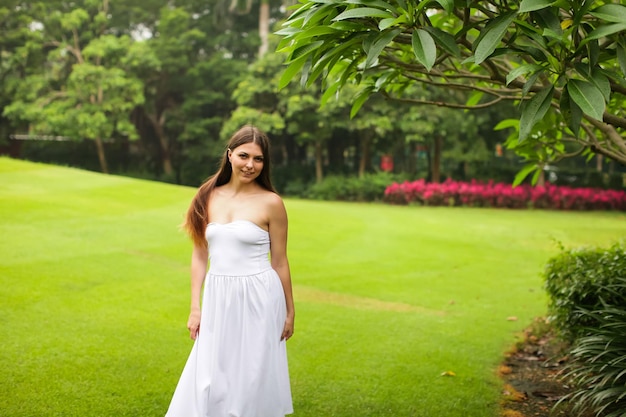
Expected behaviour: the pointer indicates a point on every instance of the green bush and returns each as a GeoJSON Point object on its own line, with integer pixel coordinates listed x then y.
{"type": "Point", "coordinates": [616, 181]}
{"type": "Point", "coordinates": [598, 366]}
{"type": "Point", "coordinates": [292, 179]}
{"type": "Point", "coordinates": [577, 281]}
{"type": "Point", "coordinates": [370, 187]}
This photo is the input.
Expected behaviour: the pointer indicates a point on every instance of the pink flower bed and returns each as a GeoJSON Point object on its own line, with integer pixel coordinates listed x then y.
{"type": "Point", "coordinates": [479, 194]}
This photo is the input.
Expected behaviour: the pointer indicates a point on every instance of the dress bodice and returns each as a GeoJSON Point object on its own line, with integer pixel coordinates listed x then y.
{"type": "Point", "coordinates": [238, 248]}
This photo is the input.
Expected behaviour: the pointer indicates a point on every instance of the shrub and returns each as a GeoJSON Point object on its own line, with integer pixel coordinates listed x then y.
{"type": "Point", "coordinates": [598, 366]}
{"type": "Point", "coordinates": [370, 187]}
{"type": "Point", "coordinates": [581, 280]}
{"type": "Point", "coordinates": [292, 179]}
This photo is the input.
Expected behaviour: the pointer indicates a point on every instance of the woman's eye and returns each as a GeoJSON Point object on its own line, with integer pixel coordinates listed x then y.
{"type": "Point", "coordinates": [258, 159]}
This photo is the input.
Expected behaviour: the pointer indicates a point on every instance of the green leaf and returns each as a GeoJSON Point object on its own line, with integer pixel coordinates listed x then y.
{"type": "Point", "coordinates": [306, 49]}
{"type": "Point", "coordinates": [602, 83]}
{"type": "Point", "coordinates": [379, 44]}
{"type": "Point", "coordinates": [315, 31]}
{"type": "Point", "coordinates": [593, 52]}
{"type": "Point", "coordinates": [536, 53]}
{"type": "Point", "coordinates": [532, 5]}
{"type": "Point", "coordinates": [288, 31]}
{"type": "Point", "coordinates": [536, 175]}
{"type": "Point", "coordinates": [507, 124]}
{"type": "Point", "coordinates": [521, 71]}
{"type": "Point", "coordinates": [621, 57]}
{"type": "Point", "coordinates": [533, 33]}
{"type": "Point", "coordinates": [375, 3]}
{"type": "Point", "coordinates": [588, 97]}
{"type": "Point", "coordinates": [533, 110]}
{"type": "Point", "coordinates": [529, 83]}
{"type": "Point", "coordinates": [571, 112]}
{"type": "Point", "coordinates": [474, 98]}
{"type": "Point", "coordinates": [348, 71]}
{"type": "Point", "coordinates": [384, 79]}
{"type": "Point", "coordinates": [611, 13]}
{"type": "Point", "coordinates": [363, 12]}
{"type": "Point", "coordinates": [604, 31]}
{"type": "Point", "coordinates": [359, 100]}
{"type": "Point", "coordinates": [291, 71]}
{"type": "Point", "coordinates": [495, 31]}
{"type": "Point", "coordinates": [330, 91]}
{"type": "Point", "coordinates": [385, 23]}
{"type": "Point", "coordinates": [548, 19]}
{"type": "Point", "coordinates": [448, 5]}
{"type": "Point", "coordinates": [306, 69]}
{"type": "Point", "coordinates": [444, 40]}
{"type": "Point", "coordinates": [330, 57]}
{"type": "Point", "coordinates": [424, 48]}
{"type": "Point", "coordinates": [524, 172]}
{"type": "Point", "coordinates": [347, 26]}
{"type": "Point", "coordinates": [319, 14]}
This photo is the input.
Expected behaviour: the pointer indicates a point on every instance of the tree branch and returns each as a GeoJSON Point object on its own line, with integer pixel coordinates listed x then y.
{"type": "Point", "coordinates": [442, 103]}
{"type": "Point", "coordinates": [614, 120]}
{"type": "Point", "coordinates": [51, 97]}
{"type": "Point", "coordinates": [458, 86]}
{"type": "Point", "coordinates": [612, 135]}
{"type": "Point", "coordinates": [78, 54]}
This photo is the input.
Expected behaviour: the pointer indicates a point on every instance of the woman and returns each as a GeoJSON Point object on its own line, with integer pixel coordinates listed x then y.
{"type": "Point", "coordinates": [238, 363]}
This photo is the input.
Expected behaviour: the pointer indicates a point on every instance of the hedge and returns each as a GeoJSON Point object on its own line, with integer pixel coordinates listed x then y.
{"type": "Point", "coordinates": [587, 305]}
{"type": "Point", "coordinates": [489, 194]}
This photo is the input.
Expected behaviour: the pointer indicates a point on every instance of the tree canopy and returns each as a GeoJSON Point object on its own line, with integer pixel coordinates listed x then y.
{"type": "Point", "coordinates": [566, 57]}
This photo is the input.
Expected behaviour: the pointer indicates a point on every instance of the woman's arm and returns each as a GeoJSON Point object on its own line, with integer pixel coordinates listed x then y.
{"type": "Point", "coordinates": [199, 261]}
{"type": "Point", "coordinates": [278, 252]}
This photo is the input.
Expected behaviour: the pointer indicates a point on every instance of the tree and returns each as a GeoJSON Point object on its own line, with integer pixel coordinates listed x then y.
{"type": "Point", "coordinates": [175, 47]}
{"type": "Point", "coordinates": [201, 54]}
{"type": "Point", "coordinates": [85, 90]}
{"type": "Point", "coordinates": [564, 56]}
{"type": "Point", "coordinates": [15, 37]}
{"type": "Point", "coordinates": [245, 6]}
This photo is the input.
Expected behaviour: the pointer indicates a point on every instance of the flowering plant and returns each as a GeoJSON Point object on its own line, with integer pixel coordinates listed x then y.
{"type": "Point", "coordinates": [489, 194]}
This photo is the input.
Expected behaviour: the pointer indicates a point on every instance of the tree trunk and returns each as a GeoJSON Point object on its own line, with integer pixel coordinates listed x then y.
{"type": "Point", "coordinates": [429, 164]}
{"type": "Point", "coordinates": [411, 164]}
{"type": "Point", "coordinates": [436, 163]}
{"type": "Point", "coordinates": [599, 160]}
{"type": "Point", "coordinates": [319, 174]}
{"type": "Point", "coordinates": [365, 156]}
{"type": "Point", "coordinates": [264, 26]}
{"type": "Point", "coordinates": [165, 153]}
{"type": "Point", "coordinates": [159, 129]}
{"type": "Point", "coordinates": [541, 179]}
{"type": "Point", "coordinates": [101, 156]}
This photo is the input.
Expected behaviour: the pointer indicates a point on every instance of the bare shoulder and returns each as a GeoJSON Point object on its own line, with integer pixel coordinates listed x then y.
{"type": "Point", "coordinates": [273, 199]}
{"type": "Point", "coordinates": [274, 204]}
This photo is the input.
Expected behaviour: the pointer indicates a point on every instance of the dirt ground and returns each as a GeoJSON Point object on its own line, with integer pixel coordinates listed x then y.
{"type": "Point", "coordinates": [532, 373]}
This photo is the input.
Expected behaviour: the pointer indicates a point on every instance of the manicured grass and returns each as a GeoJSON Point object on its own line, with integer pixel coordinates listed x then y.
{"type": "Point", "coordinates": [94, 290]}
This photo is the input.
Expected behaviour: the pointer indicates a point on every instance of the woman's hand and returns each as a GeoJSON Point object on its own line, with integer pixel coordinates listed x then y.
{"type": "Point", "coordinates": [193, 324]}
{"type": "Point", "coordinates": [287, 329]}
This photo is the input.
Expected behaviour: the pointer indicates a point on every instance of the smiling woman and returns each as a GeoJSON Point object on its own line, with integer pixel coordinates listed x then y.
{"type": "Point", "coordinates": [240, 324]}
{"type": "Point", "coordinates": [248, 160]}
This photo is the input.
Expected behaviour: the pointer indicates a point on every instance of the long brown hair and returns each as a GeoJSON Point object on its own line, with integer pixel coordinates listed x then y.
{"type": "Point", "coordinates": [197, 216]}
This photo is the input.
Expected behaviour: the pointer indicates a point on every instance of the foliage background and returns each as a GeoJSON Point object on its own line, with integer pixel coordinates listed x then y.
{"type": "Point", "coordinates": [153, 91]}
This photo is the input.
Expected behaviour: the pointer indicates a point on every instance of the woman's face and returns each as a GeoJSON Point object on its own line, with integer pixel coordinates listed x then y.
{"type": "Point", "coordinates": [247, 161]}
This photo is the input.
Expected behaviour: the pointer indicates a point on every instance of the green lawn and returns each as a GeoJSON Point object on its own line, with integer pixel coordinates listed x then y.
{"type": "Point", "coordinates": [94, 298]}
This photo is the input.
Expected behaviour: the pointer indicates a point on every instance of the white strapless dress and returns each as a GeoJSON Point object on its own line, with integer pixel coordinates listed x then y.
{"type": "Point", "coordinates": [238, 364]}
